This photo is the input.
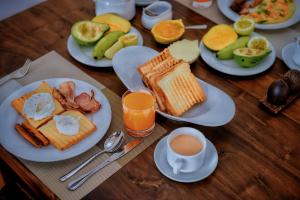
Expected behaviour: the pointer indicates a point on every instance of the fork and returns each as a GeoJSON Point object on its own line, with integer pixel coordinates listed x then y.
{"type": "Point", "coordinates": [18, 73]}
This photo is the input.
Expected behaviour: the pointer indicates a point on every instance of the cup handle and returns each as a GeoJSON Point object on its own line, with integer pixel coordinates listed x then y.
{"type": "Point", "coordinates": [177, 166]}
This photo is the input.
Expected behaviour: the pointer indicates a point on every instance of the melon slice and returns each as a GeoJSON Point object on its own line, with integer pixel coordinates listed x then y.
{"type": "Point", "coordinates": [219, 37]}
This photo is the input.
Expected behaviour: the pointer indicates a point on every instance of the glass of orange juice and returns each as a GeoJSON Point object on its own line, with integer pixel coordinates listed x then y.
{"type": "Point", "coordinates": [138, 112]}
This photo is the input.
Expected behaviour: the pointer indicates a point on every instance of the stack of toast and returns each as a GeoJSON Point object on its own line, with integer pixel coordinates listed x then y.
{"type": "Point", "coordinates": [172, 82]}
{"type": "Point", "coordinates": [43, 132]}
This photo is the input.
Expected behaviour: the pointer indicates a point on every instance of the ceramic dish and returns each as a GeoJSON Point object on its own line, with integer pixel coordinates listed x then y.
{"type": "Point", "coordinates": [231, 67]}
{"type": "Point", "coordinates": [287, 56]}
{"type": "Point", "coordinates": [84, 54]}
{"type": "Point", "coordinates": [15, 144]}
{"type": "Point", "coordinates": [124, 8]}
{"type": "Point", "coordinates": [149, 21]}
{"type": "Point", "coordinates": [208, 167]}
{"type": "Point", "coordinates": [217, 110]}
{"type": "Point", "coordinates": [224, 7]}
{"type": "Point", "coordinates": [144, 2]}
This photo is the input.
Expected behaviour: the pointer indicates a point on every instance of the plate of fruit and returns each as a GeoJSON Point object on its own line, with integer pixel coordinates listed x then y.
{"type": "Point", "coordinates": [237, 50]}
{"type": "Point", "coordinates": [95, 42]}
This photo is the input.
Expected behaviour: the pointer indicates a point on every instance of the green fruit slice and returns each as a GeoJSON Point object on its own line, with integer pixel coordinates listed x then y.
{"type": "Point", "coordinates": [259, 42]}
{"type": "Point", "coordinates": [248, 57]}
{"type": "Point", "coordinates": [113, 49]}
{"type": "Point", "coordinates": [227, 52]}
{"type": "Point", "coordinates": [129, 40]}
{"type": "Point", "coordinates": [105, 43]}
{"type": "Point", "coordinates": [87, 33]}
{"type": "Point", "coordinates": [244, 26]}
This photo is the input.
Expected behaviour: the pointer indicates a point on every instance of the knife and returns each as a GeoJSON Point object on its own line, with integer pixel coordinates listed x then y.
{"type": "Point", "coordinates": [73, 185]}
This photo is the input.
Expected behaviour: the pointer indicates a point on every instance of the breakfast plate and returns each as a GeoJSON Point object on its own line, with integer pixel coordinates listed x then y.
{"type": "Point", "coordinates": [84, 54]}
{"type": "Point", "coordinates": [231, 67]}
{"type": "Point", "coordinates": [217, 110]}
{"type": "Point", "coordinates": [15, 144]}
{"type": "Point", "coordinates": [224, 6]}
{"type": "Point", "coordinates": [208, 167]}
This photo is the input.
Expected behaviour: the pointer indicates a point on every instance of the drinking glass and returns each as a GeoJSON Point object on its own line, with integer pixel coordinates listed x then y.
{"type": "Point", "coordinates": [138, 112]}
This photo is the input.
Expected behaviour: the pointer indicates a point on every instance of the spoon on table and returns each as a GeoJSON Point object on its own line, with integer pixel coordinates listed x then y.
{"type": "Point", "coordinates": [111, 144]}
{"type": "Point", "coordinates": [199, 27]}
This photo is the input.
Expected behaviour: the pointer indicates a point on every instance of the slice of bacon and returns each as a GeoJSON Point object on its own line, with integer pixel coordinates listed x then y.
{"type": "Point", "coordinates": [67, 89]}
{"type": "Point", "coordinates": [87, 102]}
{"type": "Point", "coordinates": [84, 102]}
{"type": "Point", "coordinates": [63, 101]}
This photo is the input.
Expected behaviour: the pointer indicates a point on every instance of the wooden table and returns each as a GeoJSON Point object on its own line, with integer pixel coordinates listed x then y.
{"type": "Point", "coordinates": [259, 153]}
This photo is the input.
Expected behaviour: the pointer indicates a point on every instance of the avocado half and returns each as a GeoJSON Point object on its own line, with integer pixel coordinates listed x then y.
{"type": "Point", "coordinates": [248, 57]}
{"type": "Point", "coordinates": [87, 33]}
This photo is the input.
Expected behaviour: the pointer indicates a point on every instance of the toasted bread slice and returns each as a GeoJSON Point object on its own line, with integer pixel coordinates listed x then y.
{"type": "Point", "coordinates": [28, 137]}
{"type": "Point", "coordinates": [161, 68]}
{"type": "Point", "coordinates": [18, 104]}
{"type": "Point", "coordinates": [34, 132]}
{"type": "Point", "coordinates": [148, 66]}
{"type": "Point", "coordinates": [61, 141]}
{"type": "Point", "coordinates": [179, 89]}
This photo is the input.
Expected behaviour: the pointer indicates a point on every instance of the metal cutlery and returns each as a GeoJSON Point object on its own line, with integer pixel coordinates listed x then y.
{"type": "Point", "coordinates": [111, 144]}
{"type": "Point", "coordinates": [73, 185]}
{"type": "Point", "coordinates": [18, 73]}
{"type": "Point", "coordinates": [200, 26]}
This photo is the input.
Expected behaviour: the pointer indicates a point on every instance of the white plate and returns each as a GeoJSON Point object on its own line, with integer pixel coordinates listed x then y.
{"type": "Point", "coordinates": [208, 167]}
{"type": "Point", "coordinates": [84, 54]}
{"type": "Point", "coordinates": [231, 67]}
{"type": "Point", "coordinates": [16, 145]}
{"type": "Point", "coordinates": [217, 110]}
{"type": "Point", "coordinates": [287, 56]}
{"type": "Point", "coordinates": [224, 6]}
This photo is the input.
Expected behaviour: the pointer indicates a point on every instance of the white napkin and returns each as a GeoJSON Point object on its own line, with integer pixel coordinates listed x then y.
{"type": "Point", "coordinates": [7, 88]}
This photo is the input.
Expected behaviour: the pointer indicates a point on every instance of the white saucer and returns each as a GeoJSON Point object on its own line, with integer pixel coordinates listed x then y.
{"type": "Point", "coordinates": [287, 56]}
{"type": "Point", "coordinates": [208, 167]}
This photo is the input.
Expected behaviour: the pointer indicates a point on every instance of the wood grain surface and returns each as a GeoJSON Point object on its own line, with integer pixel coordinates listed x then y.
{"type": "Point", "coordinates": [259, 153]}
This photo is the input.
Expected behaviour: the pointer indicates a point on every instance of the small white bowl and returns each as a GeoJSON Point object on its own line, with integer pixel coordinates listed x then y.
{"type": "Point", "coordinates": [124, 8]}
{"type": "Point", "coordinates": [156, 7]}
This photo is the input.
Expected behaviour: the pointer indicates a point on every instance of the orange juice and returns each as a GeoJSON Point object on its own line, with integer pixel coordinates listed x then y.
{"type": "Point", "coordinates": [138, 112]}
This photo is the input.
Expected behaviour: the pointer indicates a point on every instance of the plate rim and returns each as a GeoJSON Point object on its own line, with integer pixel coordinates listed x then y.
{"type": "Point", "coordinates": [72, 53]}
{"type": "Point", "coordinates": [72, 155]}
{"type": "Point", "coordinates": [290, 22]}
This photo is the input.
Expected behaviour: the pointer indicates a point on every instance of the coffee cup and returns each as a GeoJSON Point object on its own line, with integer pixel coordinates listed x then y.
{"type": "Point", "coordinates": [296, 56]}
{"type": "Point", "coordinates": [185, 150]}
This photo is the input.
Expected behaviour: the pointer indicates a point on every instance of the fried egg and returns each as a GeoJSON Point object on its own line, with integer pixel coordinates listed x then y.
{"type": "Point", "coordinates": [39, 106]}
{"type": "Point", "coordinates": [66, 124]}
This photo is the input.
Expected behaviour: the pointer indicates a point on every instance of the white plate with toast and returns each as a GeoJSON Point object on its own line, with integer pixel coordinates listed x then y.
{"type": "Point", "coordinates": [231, 67]}
{"type": "Point", "coordinates": [84, 54]}
{"type": "Point", "coordinates": [13, 142]}
{"type": "Point", "coordinates": [217, 110]}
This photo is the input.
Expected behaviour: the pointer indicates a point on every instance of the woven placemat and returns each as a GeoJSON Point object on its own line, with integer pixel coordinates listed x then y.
{"type": "Point", "coordinates": [53, 65]}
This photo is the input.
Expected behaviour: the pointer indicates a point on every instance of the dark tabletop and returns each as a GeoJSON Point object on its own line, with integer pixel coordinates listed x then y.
{"type": "Point", "coordinates": [259, 153]}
